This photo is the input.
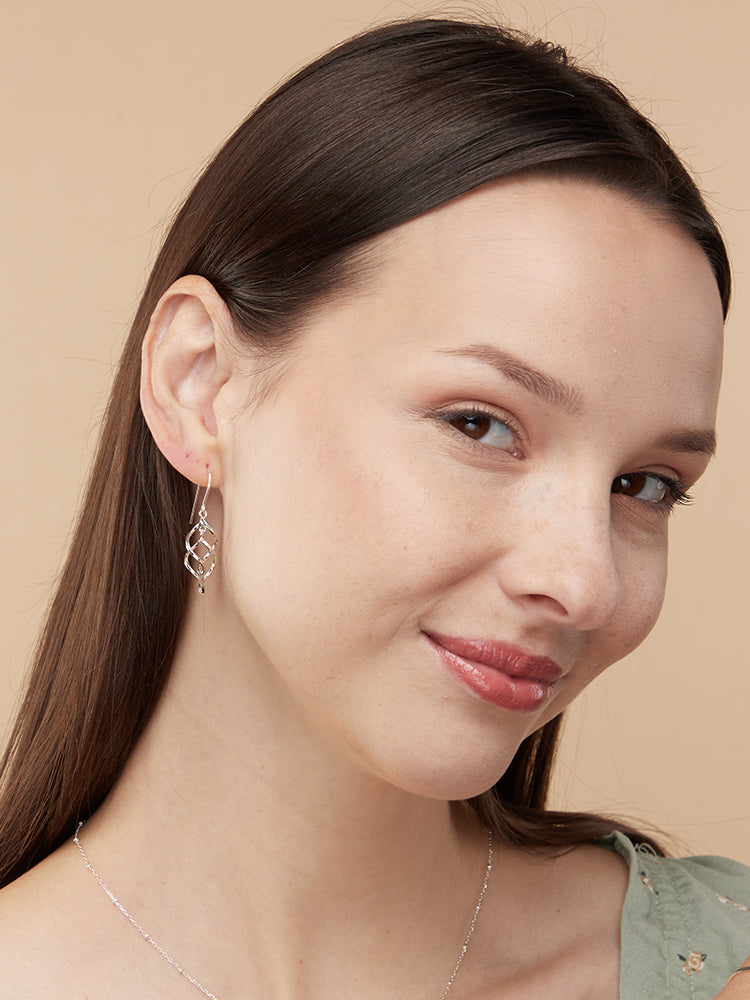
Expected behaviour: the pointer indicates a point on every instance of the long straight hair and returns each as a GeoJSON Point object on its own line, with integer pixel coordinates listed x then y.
{"type": "Point", "coordinates": [383, 128]}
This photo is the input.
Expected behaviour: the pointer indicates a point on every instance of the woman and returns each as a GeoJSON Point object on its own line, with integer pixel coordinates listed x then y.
{"type": "Point", "coordinates": [437, 336]}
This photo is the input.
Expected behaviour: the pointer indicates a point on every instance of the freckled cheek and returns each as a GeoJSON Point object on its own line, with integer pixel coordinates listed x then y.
{"type": "Point", "coordinates": [375, 513]}
{"type": "Point", "coordinates": [637, 615]}
{"type": "Point", "coordinates": [643, 582]}
{"type": "Point", "coordinates": [325, 520]}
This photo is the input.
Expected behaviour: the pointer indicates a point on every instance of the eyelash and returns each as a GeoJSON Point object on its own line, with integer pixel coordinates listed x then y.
{"type": "Point", "coordinates": [676, 494]}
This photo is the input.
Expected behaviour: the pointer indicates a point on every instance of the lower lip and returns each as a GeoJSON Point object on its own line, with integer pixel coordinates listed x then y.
{"type": "Point", "coordinates": [520, 694]}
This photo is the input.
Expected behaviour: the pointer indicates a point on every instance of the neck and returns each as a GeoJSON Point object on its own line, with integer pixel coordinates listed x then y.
{"type": "Point", "coordinates": [286, 863]}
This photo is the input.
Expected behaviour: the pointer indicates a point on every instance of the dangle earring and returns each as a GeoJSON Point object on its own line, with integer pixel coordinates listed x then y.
{"type": "Point", "coordinates": [200, 542]}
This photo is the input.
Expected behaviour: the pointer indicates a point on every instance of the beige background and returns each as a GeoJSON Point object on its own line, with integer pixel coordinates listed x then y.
{"type": "Point", "coordinates": [110, 111]}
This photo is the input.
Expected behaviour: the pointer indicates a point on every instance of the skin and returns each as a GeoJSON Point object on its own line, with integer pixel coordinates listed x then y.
{"type": "Point", "coordinates": [738, 987]}
{"type": "Point", "coordinates": [291, 797]}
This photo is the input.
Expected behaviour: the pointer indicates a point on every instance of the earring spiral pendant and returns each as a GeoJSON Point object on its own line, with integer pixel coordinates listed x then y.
{"type": "Point", "coordinates": [200, 550]}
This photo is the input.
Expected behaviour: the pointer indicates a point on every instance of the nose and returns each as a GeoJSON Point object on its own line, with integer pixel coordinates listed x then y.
{"type": "Point", "coordinates": [558, 563]}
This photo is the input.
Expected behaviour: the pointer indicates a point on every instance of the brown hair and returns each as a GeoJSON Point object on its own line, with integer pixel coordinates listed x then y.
{"type": "Point", "coordinates": [381, 129]}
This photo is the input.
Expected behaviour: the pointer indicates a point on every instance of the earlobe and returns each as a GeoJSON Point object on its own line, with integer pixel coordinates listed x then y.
{"type": "Point", "coordinates": [185, 364]}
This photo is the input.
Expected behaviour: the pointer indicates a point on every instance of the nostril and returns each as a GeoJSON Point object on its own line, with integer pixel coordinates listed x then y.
{"type": "Point", "coordinates": [545, 602]}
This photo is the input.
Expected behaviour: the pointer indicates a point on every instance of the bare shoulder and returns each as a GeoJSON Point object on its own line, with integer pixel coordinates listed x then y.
{"type": "Point", "coordinates": [586, 886]}
{"type": "Point", "coordinates": [60, 941]}
{"type": "Point", "coordinates": [553, 925]}
{"type": "Point", "coordinates": [592, 875]}
{"type": "Point", "coordinates": [39, 914]}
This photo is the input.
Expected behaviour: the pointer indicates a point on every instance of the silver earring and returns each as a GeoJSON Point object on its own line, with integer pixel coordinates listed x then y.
{"type": "Point", "coordinates": [200, 542]}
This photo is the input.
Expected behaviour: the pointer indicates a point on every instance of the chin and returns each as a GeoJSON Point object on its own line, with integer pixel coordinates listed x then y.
{"type": "Point", "coordinates": [451, 777]}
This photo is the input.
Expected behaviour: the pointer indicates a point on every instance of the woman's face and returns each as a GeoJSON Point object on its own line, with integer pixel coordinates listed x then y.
{"type": "Point", "coordinates": [451, 512]}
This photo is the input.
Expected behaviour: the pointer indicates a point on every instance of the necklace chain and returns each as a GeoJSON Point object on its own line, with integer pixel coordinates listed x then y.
{"type": "Point", "coordinates": [207, 993]}
{"type": "Point", "coordinates": [475, 916]}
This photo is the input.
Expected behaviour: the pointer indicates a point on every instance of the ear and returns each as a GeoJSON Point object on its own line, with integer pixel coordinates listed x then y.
{"type": "Point", "coordinates": [186, 360]}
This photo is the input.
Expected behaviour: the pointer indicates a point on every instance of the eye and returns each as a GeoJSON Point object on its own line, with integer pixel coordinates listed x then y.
{"type": "Point", "coordinates": [484, 428]}
{"type": "Point", "coordinates": [661, 491]}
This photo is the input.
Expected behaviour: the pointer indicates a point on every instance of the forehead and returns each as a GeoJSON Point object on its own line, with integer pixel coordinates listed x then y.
{"type": "Point", "coordinates": [564, 273]}
{"type": "Point", "coordinates": [573, 238]}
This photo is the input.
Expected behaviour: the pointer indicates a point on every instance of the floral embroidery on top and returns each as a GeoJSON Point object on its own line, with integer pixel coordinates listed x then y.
{"type": "Point", "coordinates": [648, 883]}
{"type": "Point", "coordinates": [731, 902]}
{"type": "Point", "coordinates": [693, 963]}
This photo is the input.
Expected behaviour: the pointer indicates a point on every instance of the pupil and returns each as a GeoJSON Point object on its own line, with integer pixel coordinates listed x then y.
{"type": "Point", "coordinates": [475, 427]}
{"type": "Point", "coordinates": [632, 485]}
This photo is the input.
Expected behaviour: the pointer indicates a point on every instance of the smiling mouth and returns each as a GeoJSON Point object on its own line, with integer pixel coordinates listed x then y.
{"type": "Point", "coordinates": [498, 672]}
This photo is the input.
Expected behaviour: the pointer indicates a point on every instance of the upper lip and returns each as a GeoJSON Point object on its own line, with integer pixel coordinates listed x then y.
{"type": "Point", "coordinates": [504, 656]}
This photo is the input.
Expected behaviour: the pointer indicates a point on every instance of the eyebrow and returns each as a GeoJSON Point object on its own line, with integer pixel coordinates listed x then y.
{"type": "Point", "coordinates": [703, 442]}
{"type": "Point", "coordinates": [551, 390]}
{"type": "Point", "coordinates": [569, 400]}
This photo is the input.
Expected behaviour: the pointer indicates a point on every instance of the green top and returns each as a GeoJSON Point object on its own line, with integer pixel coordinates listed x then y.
{"type": "Point", "coordinates": [685, 924]}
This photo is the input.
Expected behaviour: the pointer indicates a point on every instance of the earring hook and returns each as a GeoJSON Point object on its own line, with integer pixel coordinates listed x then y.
{"type": "Point", "coordinates": [205, 496]}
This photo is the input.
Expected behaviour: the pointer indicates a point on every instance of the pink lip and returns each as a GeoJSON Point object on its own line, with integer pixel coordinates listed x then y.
{"type": "Point", "coordinates": [498, 672]}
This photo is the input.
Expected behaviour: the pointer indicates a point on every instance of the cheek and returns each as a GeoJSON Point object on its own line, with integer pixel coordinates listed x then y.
{"type": "Point", "coordinates": [643, 580]}
{"type": "Point", "coordinates": [322, 529]}
{"type": "Point", "coordinates": [642, 597]}
{"type": "Point", "coordinates": [643, 576]}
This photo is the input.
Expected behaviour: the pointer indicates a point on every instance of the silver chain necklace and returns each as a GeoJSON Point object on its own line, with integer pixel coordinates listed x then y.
{"type": "Point", "coordinates": [207, 993]}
